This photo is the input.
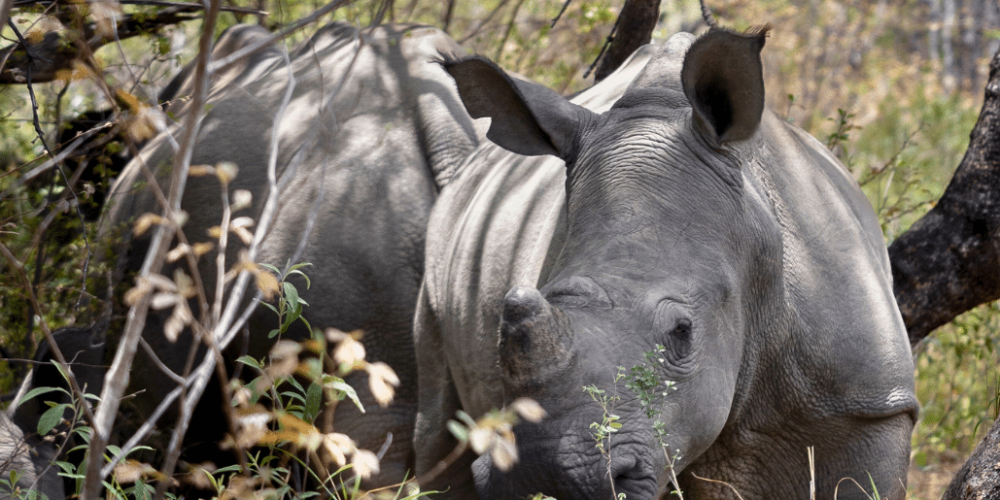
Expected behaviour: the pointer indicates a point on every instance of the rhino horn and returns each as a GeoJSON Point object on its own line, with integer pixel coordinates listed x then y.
{"type": "Point", "coordinates": [535, 340]}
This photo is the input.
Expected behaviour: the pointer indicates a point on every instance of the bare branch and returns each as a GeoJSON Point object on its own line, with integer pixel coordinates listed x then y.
{"type": "Point", "coordinates": [560, 14]}
{"type": "Point", "coordinates": [706, 14]}
{"type": "Point", "coordinates": [633, 29]}
{"type": "Point", "coordinates": [5, 8]}
{"type": "Point", "coordinates": [118, 375]}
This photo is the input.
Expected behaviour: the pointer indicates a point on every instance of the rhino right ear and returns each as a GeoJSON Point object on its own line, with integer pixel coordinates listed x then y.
{"type": "Point", "coordinates": [723, 80]}
{"type": "Point", "coordinates": [527, 118]}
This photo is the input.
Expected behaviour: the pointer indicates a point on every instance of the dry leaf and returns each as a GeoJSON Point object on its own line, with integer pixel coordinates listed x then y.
{"type": "Point", "coordinates": [130, 471]}
{"type": "Point", "coordinates": [529, 409]}
{"type": "Point", "coordinates": [349, 351]}
{"type": "Point", "coordinates": [284, 359]}
{"type": "Point", "coordinates": [504, 454]}
{"type": "Point", "coordinates": [200, 170]}
{"type": "Point", "coordinates": [339, 446]}
{"type": "Point", "coordinates": [481, 439]}
{"type": "Point", "coordinates": [163, 300]}
{"type": "Point", "coordinates": [381, 381]}
{"type": "Point", "coordinates": [136, 293]}
{"type": "Point", "coordinates": [266, 282]}
{"type": "Point", "coordinates": [145, 222]}
{"type": "Point", "coordinates": [203, 248]}
{"type": "Point", "coordinates": [241, 199]}
{"type": "Point", "coordinates": [226, 171]}
{"type": "Point", "coordinates": [178, 252]}
{"type": "Point", "coordinates": [365, 463]}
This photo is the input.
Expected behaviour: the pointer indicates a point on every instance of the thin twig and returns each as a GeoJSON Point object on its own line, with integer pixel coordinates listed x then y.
{"type": "Point", "coordinates": [560, 14]}
{"type": "Point", "coordinates": [482, 24]}
{"type": "Point", "coordinates": [607, 43]}
{"type": "Point", "coordinates": [159, 363]}
{"type": "Point", "coordinates": [696, 476]}
{"type": "Point", "coordinates": [706, 14]}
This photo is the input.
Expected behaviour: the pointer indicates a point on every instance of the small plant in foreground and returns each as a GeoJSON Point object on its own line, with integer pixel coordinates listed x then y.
{"type": "Point", "coordinates": [643, 380]}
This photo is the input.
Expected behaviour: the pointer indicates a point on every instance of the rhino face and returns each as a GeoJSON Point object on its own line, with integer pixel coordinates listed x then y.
{"type": "Point", "coordinates": [663, 249]}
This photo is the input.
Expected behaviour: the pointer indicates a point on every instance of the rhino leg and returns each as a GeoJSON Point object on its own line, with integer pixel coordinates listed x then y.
{"type": "Point", "coordinates": [437, 402]}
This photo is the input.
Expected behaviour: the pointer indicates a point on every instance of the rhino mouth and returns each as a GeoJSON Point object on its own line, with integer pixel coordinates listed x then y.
{"type": "Point", "coordinates": [568, 474]}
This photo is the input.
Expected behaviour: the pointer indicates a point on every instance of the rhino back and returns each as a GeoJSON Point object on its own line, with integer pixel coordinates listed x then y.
{"type": "Point", "coordinates": [371, 127]}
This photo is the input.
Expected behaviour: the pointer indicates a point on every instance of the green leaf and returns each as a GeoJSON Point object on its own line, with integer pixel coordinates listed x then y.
{"type": "Point", "coordinates": [346, 390]}
{"type": "Point", "coordinates": [291, 395]}
{"type": "Point", "coordinates": [464, 417]}
{"type": "Point", "coordinates": [458, 430]}
{"type": "Point", "coordinates": [51, 418]}
{"type": "Point", "coordinates": [62, 370]}
{"type": "Point", "coordinates": [273, 269]}
{"type": "Point", "coordinates": [273, 333]}
{"type": "Point", "coordinates": [291, 294]}
{"type": "Point", "coordinates": [38, 391]}
{"type": "Point", "coordinates": [314, 397]}
{"type": "Point", "coordinates": [250, 361]}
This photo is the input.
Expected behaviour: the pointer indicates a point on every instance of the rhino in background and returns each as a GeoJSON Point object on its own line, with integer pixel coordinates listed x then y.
{"type": "Point", "coordinates": [684, 215]}
{"type": "Point", "coordinates": [373, 129]}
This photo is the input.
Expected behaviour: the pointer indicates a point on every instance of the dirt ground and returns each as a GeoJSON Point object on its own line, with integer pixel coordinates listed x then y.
{"type": "Point", "coordinates": [928, 483]}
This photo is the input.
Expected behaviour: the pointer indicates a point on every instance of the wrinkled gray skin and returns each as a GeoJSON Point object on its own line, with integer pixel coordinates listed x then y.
{"type": "Point", "coordinates": [692, 219]}
{"type": "Point", "coordinates": [374, 124]}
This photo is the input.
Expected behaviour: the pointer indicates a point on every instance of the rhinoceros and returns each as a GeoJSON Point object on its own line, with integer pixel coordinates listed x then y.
{"type": "Point", "coordinates": [373, 127]}
{"type": "Point", "coordinates": [677, 232]}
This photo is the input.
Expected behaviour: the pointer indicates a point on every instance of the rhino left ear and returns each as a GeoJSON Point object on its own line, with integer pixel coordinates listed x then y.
{"type": "Point", "coordinates": [527, 118]}
{"type": "Point", "coordinates": [724, 82]}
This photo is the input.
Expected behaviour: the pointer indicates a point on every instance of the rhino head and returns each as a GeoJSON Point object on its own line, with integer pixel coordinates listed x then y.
{"type": "Point", "coordinates": [662, 249]}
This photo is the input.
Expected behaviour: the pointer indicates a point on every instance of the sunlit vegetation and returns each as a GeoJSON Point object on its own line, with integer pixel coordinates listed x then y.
{"type": "Point", "coordinates": [857, 75]}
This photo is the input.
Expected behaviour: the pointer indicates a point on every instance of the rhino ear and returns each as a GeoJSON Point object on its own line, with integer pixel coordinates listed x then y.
{"type": "Point", "coordinates": [527, 118]}
{"type": "Point", "coordinates": [724, 82]}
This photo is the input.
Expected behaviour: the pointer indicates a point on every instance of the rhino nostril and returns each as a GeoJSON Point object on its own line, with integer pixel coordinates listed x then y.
{"type": "Point", "coordinates": [630, 477]}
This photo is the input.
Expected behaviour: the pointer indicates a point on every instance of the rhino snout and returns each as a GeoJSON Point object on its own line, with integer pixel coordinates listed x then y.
{"type": "Point", "coordinates": [534, 339]}
{"type": "Point", "coordinates": [564, 468]}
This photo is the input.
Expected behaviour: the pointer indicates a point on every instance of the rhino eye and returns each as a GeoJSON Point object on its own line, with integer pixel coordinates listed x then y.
{"type": "Point", "coordinates": [679, 340]}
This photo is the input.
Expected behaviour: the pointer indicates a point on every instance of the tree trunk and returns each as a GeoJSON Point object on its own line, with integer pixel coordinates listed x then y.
{"type": "Point", "coordinates": [635, 28]}
{"type": "Point", "coordinates": [979, 478]}
{"type": "Point", "coordinates": [949, 261]}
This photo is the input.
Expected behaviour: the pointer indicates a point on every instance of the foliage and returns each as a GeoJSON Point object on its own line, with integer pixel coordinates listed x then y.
{"type": "Point", "coordinates": [850, 72]}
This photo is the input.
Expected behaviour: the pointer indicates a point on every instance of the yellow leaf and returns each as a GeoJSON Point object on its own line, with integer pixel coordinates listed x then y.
{"type": "Point", "coordinates": [203, 248]}
{"type": "Point", "coordinates": [365, 463]}
{"type": "Point", "coordinates": [200, 170]}
{"type": "Point", "coordinates": [267, 283]}
{"type": "Point", "coordinates": [145, 222]}
{"type": "Point", "coordinates": [529, 409]}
